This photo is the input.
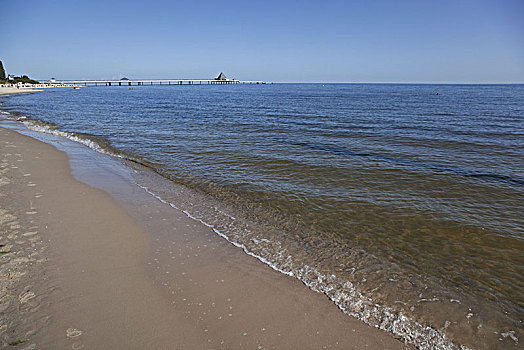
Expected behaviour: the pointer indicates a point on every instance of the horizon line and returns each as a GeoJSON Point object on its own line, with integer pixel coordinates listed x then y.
{"type": "Point", "coordinates": [400, 82]}
{"type": "Point", "coordinates": [326, 82]}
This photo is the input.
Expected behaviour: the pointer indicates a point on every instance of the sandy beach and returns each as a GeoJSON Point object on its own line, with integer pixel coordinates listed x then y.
{"type": "Point", "coordinates": [14, 90]}
{"type": "Point", "coordinates": [79, 270]}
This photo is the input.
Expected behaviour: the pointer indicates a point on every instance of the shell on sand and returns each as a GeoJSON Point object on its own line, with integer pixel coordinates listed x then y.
{"type": "Point", "coordinates": [73, 333]}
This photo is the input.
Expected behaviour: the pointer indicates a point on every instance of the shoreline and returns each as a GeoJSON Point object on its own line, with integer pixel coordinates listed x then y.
{"type": "Point", "coordinates": [261, 298]}
{"type": "Point", "coordinates": [14, 90]}
{"type": "Point", "coordinates": [344, 296]}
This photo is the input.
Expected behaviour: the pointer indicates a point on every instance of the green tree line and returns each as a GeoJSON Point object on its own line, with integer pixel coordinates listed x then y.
{"type": "Point", "coordinates": [2, 73]}
{"type": "Point", "coordinates": [25, 79]}
{"type": "Point", "coordinates": [21, 79]}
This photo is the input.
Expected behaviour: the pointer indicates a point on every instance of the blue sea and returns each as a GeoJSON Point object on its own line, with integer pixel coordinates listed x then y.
{"type": "Point", "coordinates": [403, 203]}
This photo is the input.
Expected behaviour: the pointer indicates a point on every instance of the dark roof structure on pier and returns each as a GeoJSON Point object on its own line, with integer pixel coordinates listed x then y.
{"type": "Point", "coordinates": [221, 77]}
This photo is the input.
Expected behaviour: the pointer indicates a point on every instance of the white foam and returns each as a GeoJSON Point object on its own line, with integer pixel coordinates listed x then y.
{"type": "Point", "coordinates": [86, 142]}
{"type": "Point", "coordinates": [512, 336]}
{"type": "Point", "coordinates": [42, 128]}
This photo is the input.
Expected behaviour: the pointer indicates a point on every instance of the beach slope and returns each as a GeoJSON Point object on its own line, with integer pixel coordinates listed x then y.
{"type": "Point", "coordinates": [76, 272]}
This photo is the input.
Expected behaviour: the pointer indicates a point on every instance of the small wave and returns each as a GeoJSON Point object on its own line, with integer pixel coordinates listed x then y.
{"type": "Point", "coordinates": [71, 136]}
{"type": "Point", "coordinates": [43, 127]}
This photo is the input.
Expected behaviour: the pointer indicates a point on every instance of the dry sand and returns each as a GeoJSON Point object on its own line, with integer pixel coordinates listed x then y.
{"type": "Point", "coordinates": [77, 270]}
{"type": "Point", "coordinates": [14, 90]}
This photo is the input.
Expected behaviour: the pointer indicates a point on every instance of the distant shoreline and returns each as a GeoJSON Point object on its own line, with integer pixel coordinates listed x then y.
{"type": "Point", "coordinates": [15, 90]}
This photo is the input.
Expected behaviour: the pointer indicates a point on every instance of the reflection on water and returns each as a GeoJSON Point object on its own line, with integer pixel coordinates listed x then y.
{"type": "Point", "coordinates": [377, 195]}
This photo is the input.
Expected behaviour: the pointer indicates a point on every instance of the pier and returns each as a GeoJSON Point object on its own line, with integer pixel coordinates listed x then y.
{"type": "Point", "coordinates": [140, 82]}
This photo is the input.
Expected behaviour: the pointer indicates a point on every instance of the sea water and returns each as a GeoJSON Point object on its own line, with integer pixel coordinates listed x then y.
{"type": "Point", "coordinates": [402, 203]}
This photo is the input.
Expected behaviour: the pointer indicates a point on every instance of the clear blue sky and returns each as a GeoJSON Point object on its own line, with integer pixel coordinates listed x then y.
{"type": "Point", "coordinates": [281, 41]}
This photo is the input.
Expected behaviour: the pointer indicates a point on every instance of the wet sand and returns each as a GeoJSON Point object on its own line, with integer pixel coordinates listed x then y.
{"type": "Point", "coordinates": [80, 268]}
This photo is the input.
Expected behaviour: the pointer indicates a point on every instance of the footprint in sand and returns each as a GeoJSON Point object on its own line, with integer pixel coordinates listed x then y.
{"type": "Point", "coordinates": [77, 346]}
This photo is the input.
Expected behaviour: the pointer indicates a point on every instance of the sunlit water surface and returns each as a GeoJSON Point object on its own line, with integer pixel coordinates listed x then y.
{"type": "Point", "coordinates": [405, 207]}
